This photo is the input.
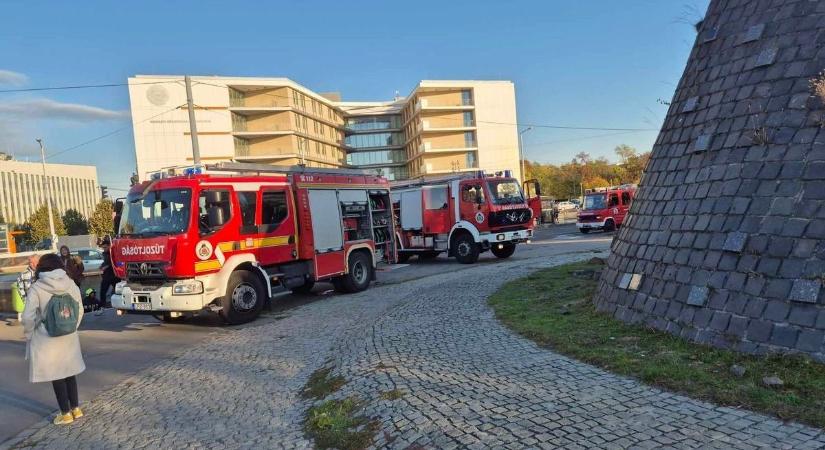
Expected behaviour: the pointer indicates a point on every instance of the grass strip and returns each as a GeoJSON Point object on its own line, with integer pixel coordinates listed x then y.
{"type": "Point", "coordinates": [554, 308]}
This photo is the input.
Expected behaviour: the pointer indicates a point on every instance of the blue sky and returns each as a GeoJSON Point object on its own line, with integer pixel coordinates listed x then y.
{"type": "Point", "coordinates": [599, 63]}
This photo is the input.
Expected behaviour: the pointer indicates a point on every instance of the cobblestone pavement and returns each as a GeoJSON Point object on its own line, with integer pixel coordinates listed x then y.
{"type": "Point", "coordinates": [468, 382]}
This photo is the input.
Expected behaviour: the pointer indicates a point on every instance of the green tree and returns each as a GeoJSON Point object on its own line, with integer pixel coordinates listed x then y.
{"type": "Point", "coordinates": [37, 226]}
{"type": "Point", "coordinates": [75, 223]}
{"type": "Point", "coordinates": [101, 223]}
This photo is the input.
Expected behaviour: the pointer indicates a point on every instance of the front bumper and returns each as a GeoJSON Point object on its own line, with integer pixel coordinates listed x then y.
{"type": "Point", "coordinates": [517, 236]}
{"type": "Point", "coordinates": [589, 225]}
{"type": "Point", "coordinates": [143, 299]}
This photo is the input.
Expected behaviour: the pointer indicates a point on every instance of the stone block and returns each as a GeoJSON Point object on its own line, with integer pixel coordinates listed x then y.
{"type": "Point", "coordinates": [720, 320]}
{"type": "Point", "coordinates": [635, 282]}
{"type": "Point", "coordinates": [803, 315]}
{"type": "Point", "coordinates": [806, 291]}
{"type": "Point", "coordinates": [690, 104]}
{"type": "Point", "coordinates": [759, 330]}
{"type": "Point", "coordinates": [753, 33]}
{"type": "Point", "coordinates": [698, 296]}
{"type": "Point", "coordinates": [738, 326]}
{"type": "Point", "coordinates": [624, 282]}
{"type": "Point", "coordinates": [810, 340]}
{"type": "Point", "coordinates": [776, 311]}
{"type": "Point", "coordinates": [784, 336]}
{"type": "Point", "coordinates": [735, 242]}
{"type": "Point", "coordinates": [702, 143]}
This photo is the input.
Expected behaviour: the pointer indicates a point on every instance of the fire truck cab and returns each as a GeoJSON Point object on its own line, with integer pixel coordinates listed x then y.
{"type": "Point", "coordinates": [462, 216]}
{"type": "Point", "coordinates": [226, 240]}
{"type": "Point", "coordinates": [605, 208]}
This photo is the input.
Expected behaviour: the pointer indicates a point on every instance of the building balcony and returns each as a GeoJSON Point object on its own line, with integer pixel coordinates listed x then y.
{"type": "Point", "coordinates": [425, 126]}
{"type": "Point", "coordinates": [424, 104]}
{"type": "Point", "coordinates": [427, 147]}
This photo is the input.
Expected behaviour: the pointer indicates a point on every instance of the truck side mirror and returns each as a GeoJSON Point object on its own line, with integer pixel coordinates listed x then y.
{"type": "Point", "coordinates": [117, 213]}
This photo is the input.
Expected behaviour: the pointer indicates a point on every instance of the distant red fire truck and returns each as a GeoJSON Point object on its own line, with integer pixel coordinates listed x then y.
{"type": "Point", "coordinates": [225, 240]}
{"type": "Point", "coordinates": [461, 215]}
{"type": "Point", "coordinates": [605, 208]}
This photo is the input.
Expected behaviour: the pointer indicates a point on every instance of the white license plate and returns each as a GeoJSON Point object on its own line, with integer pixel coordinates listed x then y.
{"type": "Point", "coordinates": [585, 226]}
{"type": "Point", "coordinates": [142, 306]}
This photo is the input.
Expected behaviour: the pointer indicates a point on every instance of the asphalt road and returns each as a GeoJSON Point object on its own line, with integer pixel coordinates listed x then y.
{"type": "Point", "coordinates": [115, 348]}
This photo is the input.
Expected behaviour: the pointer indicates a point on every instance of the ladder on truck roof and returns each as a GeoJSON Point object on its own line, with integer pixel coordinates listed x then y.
{"type": "Point", "coordinates": [286, 170]}
{"type": "Point", "coordinates": [403, 184]}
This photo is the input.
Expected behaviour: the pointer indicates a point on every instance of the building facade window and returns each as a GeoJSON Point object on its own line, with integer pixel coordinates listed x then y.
{"type": "Point", "coordinates": [471, 160]}
{"type": "Point", "coordinates": [367, 123]}
{"type": "Point", "coordinates": [468, 119]}
{"type": "Point", "coordinates": [376, 157]}
{"type": "Point", "coordinates": [469, 139]}
{"type": "Point", "coordinates": [467, 97]}
{"type": "Point", "coordinates": [374, 140]}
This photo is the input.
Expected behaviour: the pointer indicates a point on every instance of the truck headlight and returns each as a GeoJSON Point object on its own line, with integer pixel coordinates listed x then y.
{"type": "Point", "coordinates": [119, 288]}
{"type": "Point", "coordinates": [187, 287]}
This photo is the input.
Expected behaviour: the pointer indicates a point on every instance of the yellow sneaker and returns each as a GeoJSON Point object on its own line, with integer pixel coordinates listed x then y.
{"type": "Point", "coordinates": [63, 419]}
{"type": "Point", "coordinates": [77, 413]}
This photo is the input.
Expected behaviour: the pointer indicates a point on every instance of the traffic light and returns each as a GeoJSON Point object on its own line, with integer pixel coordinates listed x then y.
{"type": "Point", "coordinates": [104, 192]}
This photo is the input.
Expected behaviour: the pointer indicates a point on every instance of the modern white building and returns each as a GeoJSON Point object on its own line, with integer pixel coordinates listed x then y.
{"type": "Point", "coordinates": [22, 193]}
{"type": "Point", "coordinates": [441, 127]}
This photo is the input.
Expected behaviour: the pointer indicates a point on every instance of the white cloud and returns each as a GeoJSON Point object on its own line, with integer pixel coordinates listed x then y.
{"type": "Point", "coordinates": [44, 108]}
{"type": "Point", "coordinates": [8, 77]}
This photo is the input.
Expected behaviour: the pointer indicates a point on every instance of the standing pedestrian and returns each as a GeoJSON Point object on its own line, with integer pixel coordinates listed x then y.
{"type": "Point", "coordinates": [54, 352]}
{"type": "Point", "coordinates": [73, 265]}
{"type": "Point", "coordinates": [108, 279]}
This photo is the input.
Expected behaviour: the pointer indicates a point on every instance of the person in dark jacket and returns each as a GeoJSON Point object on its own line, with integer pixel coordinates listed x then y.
{"type": "Point", "coordinates": [73, 265]}
{"type": "Point", "coordinates": [108, 279]}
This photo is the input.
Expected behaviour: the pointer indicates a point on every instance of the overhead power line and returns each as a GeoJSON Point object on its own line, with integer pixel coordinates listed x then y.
{"type": "Point", "coordinates": [113, 132]}
{"type": "Point", "coordinates": [83, 86]}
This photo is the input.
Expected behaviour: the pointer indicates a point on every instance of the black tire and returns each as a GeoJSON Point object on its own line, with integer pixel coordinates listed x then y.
{"type": "Point", "coordinates": [505, 252]}
{"type": "Point", "coordinates": [584, 230]}
{"type": "Point", "coordinates": [338, 284]}
{"type": "Point", "coordinates": [426, 256]}
{"type": "Point", "coordinates": [305, 288]}
{"type": "Point", "coordinates": [359, 274]}
{"type": "Point", "coordinates": [465, 248]}
{"type": "Point", "coordinates": [244, 299]}
{"type": "Point", "coordinates": [609, 226]}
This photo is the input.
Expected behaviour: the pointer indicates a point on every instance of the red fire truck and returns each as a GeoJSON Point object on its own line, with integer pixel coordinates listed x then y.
{"type": "Point", "coordinates": [224, 237]}
{"type": "Point", "coordinates": [461, 215]}
{"type": "Point", "coordinates": [605, 208]}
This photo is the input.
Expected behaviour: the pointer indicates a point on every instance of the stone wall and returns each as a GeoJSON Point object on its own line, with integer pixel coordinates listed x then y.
{"type": "Point", "coordinates": [725, 242]}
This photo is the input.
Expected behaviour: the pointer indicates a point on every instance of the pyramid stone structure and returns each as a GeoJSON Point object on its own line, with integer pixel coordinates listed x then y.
{"type": "Point", "coordinates": [725, 241]}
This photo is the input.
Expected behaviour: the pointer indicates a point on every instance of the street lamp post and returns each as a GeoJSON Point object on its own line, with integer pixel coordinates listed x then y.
{"type": "Point", "coordinates": [521, 151]}
{"type": "Point", "coordinates": [47, 188]}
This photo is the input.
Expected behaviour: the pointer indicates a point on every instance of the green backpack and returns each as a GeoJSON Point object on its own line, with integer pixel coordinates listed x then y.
{"type": "Point", "coordinates": [61, 315]}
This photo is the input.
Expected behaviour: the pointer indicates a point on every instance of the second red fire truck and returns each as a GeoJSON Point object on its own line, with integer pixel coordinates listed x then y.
{"type": "Point", "coordinates": [605, 208]}
{"type": "Point", "coordinates": [224, 241]}
{"type": "Point", "coordinates": [462, 216]}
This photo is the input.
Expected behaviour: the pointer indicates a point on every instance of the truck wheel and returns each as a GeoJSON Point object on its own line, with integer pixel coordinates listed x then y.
{"type": "Point", "coordinates": [465, 248]}
{"type": "Point", "coordinates": [505, 251]}
{"type": "Point", "coordinates": [360, 273]}
{"type": "Point", "coordinates": [244, 298]}
{"type": "Point", "coordinates": [305, 288]}
{"type": "Point", "coordinates": [609, 226]}
{"type": "Point", "coordinates": [584, 230]}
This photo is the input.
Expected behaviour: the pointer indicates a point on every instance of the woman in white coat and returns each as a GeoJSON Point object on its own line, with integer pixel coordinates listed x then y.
{"type": "Point", "coordinates": [55, 359]}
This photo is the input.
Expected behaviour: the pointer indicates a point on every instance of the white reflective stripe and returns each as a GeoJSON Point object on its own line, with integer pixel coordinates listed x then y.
{"type": "Point", "coordinates": [219, 254]}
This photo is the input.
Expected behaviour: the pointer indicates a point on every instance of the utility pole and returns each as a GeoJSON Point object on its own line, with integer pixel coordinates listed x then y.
{"type": "Point", "coordinates": [193, 127]}
{"type": "Point", "coordinates": [521, 151]}
{"type": "Point", "coordinates": [47, 188]}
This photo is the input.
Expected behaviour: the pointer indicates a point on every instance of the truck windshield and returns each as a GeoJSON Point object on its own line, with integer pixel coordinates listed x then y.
{"type": "Point", "coordinates": [159, 212]}
{"type": "Point", "coordinates": [595, 201]}
{"type": "Point", "coordinates": [505, 192]}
